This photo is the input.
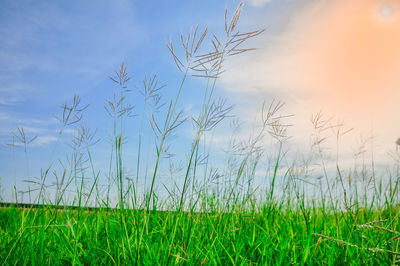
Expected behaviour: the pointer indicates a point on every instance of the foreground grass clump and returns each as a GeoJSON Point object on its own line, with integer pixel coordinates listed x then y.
{"type": "Point", "coordinates": [273, 235]}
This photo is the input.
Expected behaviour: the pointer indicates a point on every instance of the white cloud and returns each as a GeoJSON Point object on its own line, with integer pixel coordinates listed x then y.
{"type": "Point", "coordinates": [42, 129]}
{"type": "Point", "coordinates": [13, 94]}
{"type": "Point", "coordinates": [44, 140]}
{"type": "Point", "coordinates": [10, 100]}
{"type": "Point", "coordinates": [258, 2]}
{"type": "Point", "coordinates": [9, 117]}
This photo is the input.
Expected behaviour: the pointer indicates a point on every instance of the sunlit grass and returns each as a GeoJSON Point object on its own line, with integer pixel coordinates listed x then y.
{"type": "Point", "coordinates": [277, 234]}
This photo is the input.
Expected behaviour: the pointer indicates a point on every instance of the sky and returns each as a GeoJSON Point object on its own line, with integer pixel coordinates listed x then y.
{"type": "Point", "coordinates": [339, 56]}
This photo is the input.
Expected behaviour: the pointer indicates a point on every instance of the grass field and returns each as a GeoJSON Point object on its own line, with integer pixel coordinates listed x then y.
{"type": "Point", "coordinates": [350, 218]}
{"type": "Point", "coordinates": [275, 234]}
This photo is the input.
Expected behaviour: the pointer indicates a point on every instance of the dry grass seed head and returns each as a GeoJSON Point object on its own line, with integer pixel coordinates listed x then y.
{"type": "Point", "coordinates": [150, 92]}
{"type": "Point", "coordinates": [187, 43]}
{"type": "Point", "coordinates": [211, 117]}
{"type": "Point", "coordinates": [121, 75]}
{"type": "Point", "coordinates": [273, 119]}
{"type": "Point", "coordinates": [115, 107]}
{"type": "Point", "coordinates": [22, 138]}
{"type": "Point", "coordinates": [84, 136]}
{"type": "Point", "coordinates": [208, 64]}
{"type": "Point", "coordinates": [170, 124]}
{"type": "Point", "coordinates": [71, 114]}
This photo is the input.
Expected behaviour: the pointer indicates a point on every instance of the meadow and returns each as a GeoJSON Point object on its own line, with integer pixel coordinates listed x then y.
{"type": "Point", "coordinates": [212, 213]}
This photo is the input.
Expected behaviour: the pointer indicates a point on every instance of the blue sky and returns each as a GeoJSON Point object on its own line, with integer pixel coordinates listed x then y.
{"type": "Point", "coordinates": [51, 50]}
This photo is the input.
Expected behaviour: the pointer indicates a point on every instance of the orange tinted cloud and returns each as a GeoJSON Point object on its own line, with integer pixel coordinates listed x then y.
{"type": "Point", "coordinates": [351, 54]}
{"type": "Point", "coordinates": [340, 55]}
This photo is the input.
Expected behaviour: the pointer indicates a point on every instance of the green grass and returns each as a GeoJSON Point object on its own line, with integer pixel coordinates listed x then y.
{"type": "Point", "coordinates": [353, 220]}
{"type": "Point", "coordinates": [274, 234]}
